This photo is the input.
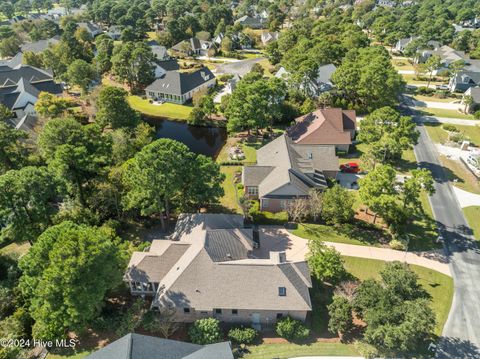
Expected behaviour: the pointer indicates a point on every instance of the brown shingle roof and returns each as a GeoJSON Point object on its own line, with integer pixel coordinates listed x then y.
{"type": "Point", "coordinates": [324, 127]}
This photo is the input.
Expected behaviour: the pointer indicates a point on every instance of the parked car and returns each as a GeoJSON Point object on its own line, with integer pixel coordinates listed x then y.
{"type": "Point", "coordinates": [474, 161]}
{"type": "Point", "coordinates": [441, 87]}
{"type": "Point", "coordinates": [351, 167]}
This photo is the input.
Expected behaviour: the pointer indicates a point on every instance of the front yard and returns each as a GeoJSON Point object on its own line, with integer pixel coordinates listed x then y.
{"type": "Point", "coordinates": [440, 112]}
{"type": "Point", "coordinates": [166, 110]}
{"type": "Point", "coordinates": [472, 214]}
{"type": "Point", "coordinates": [290, 350]}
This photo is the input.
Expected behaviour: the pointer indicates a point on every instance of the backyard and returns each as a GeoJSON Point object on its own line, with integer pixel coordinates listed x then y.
{"type": "Point", "coordinates": [166, 110]}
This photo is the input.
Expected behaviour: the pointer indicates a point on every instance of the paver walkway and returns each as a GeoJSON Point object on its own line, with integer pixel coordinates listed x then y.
{"type": "Point", "coordinates": [274, 238]}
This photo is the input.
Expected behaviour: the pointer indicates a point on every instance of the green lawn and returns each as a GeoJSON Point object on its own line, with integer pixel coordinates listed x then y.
{"type": "Point", "coordinates": [434, 99]}
{"type": "Point", "coordinates": [412, 79]}
{"type": "Point", "coordinates": [289, 350]}
{"type": "Point", "coordinates": [167, 110]}
{"type": "Point", "coordinates": [408, 162]}
{"type": "Point", "coordinates": [440, 112]}
{"type": "Point", "coordinates": [472, 214]}
{"type": "Point", "coordinates": [345, 234]}
{"type": "Point", "coordinates": [402, 63]}
{"type": "Point", "coordinates": [439, 135]}
{"type": "Point", "coordinates": [80, 355]}
{"type": "Point", "coordinates": [229, 200]}
{"type": "Point", "coordinates": [438, 285]}
{"type": "Point", "coordinates": [15, 248]}
{"type": "Point", "coordinates": [249, 149]}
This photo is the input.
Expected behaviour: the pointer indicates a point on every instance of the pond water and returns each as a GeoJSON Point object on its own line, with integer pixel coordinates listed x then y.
{"type": "Point", "coordinates": [207, 141]}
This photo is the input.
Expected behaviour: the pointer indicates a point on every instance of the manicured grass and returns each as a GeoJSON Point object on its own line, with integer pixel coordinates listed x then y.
{"type": "Point", "coordinates": [408, 162]}
{"type": "Point", "coordinates": [354, 155]}
{"type": "Point", "coordinates": [290, 350]}
{"type": "Point", "coordinates": [249, 149]}
{"type": "Point", "coordinates": [434, 99]}
{"type": "Point", "coordinates": [267, 66]}
{"type": "Point", "coordinates": [439, 135]}
{"type": "Point", "coordinates": [412, 79]}
{"type": "Point", "coordinates": [167, 110]}
{"type": "Point", "coordinates": [15, 248]}
{"type": "Point", "coordinates": [440, 112]}
{"type": "Point", "coordinates": [402, 63]}
{"type": "Point", "coordinates": [472, 214]}
{"type": "Point", "coordinates": [438, 285]}
{"type": "Point", "coordinates": [352, 235]}
{"type": "Point", "coordinates": [229, 199]}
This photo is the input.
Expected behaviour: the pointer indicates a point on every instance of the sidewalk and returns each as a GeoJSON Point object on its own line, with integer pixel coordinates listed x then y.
{"type": "Point", "coordinates": [274, 238]}
{"type": "Point", "coordinates": [466, 199]}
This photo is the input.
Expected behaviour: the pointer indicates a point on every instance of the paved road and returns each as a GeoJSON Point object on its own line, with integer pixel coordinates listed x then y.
{"type": "Point", "coordinates": [240, 68]}
{"type": "Point", "coordinates": [461, 334]}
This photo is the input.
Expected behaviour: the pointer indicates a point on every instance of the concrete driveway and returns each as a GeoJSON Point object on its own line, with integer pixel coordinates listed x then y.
{"type": "Point", "coordinates": [239, 68]}
{"type": "Point", "coordinates": [349, 180]}
{"type": "Point", "coordinates": [274, 238]}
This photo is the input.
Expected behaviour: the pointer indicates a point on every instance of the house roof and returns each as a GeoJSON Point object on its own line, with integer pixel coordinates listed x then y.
{"type": "Point", "coordinates": [41, 45]}
{"type": "Point", "coordinates": [473, 77]}
{"type": "Point", "coordinates": [324, 127]}
{"type": "Point", "coordinates": [136, 346]}
{"type": "Point", "coordinates": [90, 26]}
{"type": "Point", "coordinates": [192, 44]}
{"type": "Point", "coordinates": [169, 65]}
{"type": "Point", "coordinates": [218, 270]}
{"type": "Point", "coordinates": [290, 163]}
{"type": "Point", "coordinates": [475, 93]}
{"type": "Point", "coordinates": [179, 83]}
{"type": "Point", "coordinates": [249, 20]}
{"type": "Point", "coordinates": [25, 80]}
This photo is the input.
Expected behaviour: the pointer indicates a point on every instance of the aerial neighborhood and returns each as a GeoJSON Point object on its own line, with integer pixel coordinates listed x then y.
{"type": "Point", "coordinates": [239, 179]}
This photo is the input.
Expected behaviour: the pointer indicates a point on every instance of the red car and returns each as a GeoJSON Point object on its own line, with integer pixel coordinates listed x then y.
{"type": "Point", "coordinates": [350, 167]}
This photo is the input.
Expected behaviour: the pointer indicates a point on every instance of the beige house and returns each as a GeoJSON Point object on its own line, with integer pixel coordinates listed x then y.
{"type": "Point", "coordinates": [210, 267]}
{"type": "Point", "coordinates": [286, 171]}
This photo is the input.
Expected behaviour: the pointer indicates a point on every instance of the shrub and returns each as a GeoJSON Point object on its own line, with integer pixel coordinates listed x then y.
{"type": "Point", "coordinates": [398, 244]}
{"type": "Point", "coordinates": [291, 329]}
{"type": "Point", "coordinates": [476, 115]}
{"type": "Point", "coordinates": [205, 331]}
{"type": "Point", "coordinates": [449, 127]}
{"type": "Point", "coordinates": [366, 350]}
{"type": "Point", "coordinates": [423, 90]}
{"type": "Point", "coordinates": [242, 335]}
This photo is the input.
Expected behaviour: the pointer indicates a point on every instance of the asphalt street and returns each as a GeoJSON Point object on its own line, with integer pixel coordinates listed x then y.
{"type": "Point", "coordinates": [461, 334]}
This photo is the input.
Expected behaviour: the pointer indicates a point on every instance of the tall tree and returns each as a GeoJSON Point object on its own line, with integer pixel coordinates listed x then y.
{"type": "Point", "coordinates": [337, 205]}
{"type": "Point", "coordinates": [81, 73]}
{"type": "Point", "coordinates": [103, 60]}
{"type": "Point", "coordinates": [325, 262]}
{"type": "Point", "coordinates": [26, 202]}
{"type": "Point", "coordinates": [113, 109]}
{"type": "Point", "coordinates": [66, 275]}
{"type": "Point", "coordinates": [165, 173]}
{"type": "Point", "coordinates": [13, 151]}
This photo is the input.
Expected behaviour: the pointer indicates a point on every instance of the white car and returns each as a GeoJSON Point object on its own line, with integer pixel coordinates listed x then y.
{"type": "Point", "coordinates": [441, 87]}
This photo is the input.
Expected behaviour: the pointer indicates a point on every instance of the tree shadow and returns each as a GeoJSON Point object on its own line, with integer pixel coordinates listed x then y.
{"type": "Point", "coordinates": [450, 347]}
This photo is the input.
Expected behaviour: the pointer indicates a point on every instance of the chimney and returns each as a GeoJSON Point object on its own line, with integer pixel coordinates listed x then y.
{"type": "Point", "coordinates": [278, 257]}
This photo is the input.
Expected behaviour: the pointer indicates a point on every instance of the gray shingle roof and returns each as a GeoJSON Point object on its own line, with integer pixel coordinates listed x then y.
{"type": "Point", "coordinates": [136, 346]}
{"type": "Point", "coordinates": [179, 83]}
{"type": "Point", "coordinates": [40, 45]}
{"type": "Point", "coordinates": [475, 93]}
{"type": "Point", "coordinates": [254, 175]}
{"type": "Point", "coordinates": [228, 244]}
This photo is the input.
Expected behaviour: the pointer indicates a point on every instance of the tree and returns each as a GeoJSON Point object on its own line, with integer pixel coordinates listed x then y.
{"type": "Point", "coordinates": [26, 202]}
{"type": "Point", "coordinates": [103, 60]}
{"type": "Point", "coordinates": [324, 262]}
{"type": "Point", "coordinates": [165, 173]}
{"type": "Point", "coordinates": [432, 64]}
{"type": "Point", "coordinates": [10, 46]}
{"type": "Point", "coordinates": [340, 313]}
{"type": "Point", "coordinates": [6, 8]}
{"type": "Point", "coordinates": [51, 106]}
{"type": "Point", "coordinates": [402, 282]}
{"type": "Point", "coordinates": [315, 203]}
{"type": "Point", "coordinates": [387, 134]}
{"type": "Point", "coordinates": [76, 155]}
{"type": "Point", "coordinates": [133, 64]}
{"type": "Point", "coordinates": [366, 80]}
{"type": "Point", "coordinates": [162, 322]}
{"type": "Point", "coordinates": [113, 109]}
{"type": "Point", "coordinates": [66, 275]}
{"type": "Point", "coordinates": [32, 59]}
{"type": "Point", "coordinates": [297, 209]}
{"type": "Point", "coordinates": [337, 205]}
{"type": "Point", "coordinates": [205, 331]}
{"type": "Point", "coordinates": [81, 73]}
{"type": "Point", "coordinates": [241, 335]}
{"type": "Point", "coordinates": [13, 150]}
{"type": "Point", "coordinates": [5, 113]}
{"type": "Point", "coordinates": [377, 192]}
{"type": "Point", "coordinates": [255, 103]}
{"type": "Point", "coordinates": [420, 180]}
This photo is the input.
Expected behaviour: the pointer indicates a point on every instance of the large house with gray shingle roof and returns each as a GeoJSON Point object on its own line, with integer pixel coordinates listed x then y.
{"type": "Point", "coordinates": [211, 266]}
{"type": "Point", "coordinates": [136, 346]}
{"type": "Point", "coordinates": [179, 87]}
{"type": "Point", "coordinates": [20, 87]}
{"type": "Point", "coordinates": [286, 171]}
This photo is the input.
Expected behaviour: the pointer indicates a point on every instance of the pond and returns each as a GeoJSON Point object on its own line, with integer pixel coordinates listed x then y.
{"type": "Point", "coordinates": [207, 141]}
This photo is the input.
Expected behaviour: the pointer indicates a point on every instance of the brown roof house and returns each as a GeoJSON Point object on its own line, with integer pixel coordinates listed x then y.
{"type": "Point", "coordinates": [286, 170]}
{"type": "Point", "coordinates": [210, 267]}
{"type": "Point", "coordinates": [330, 126]}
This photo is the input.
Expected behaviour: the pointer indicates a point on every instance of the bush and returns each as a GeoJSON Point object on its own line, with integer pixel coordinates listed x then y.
{"type": "Point", "coordinates": [398, 245]}
{"type": "Point", "coordinates": [205, 331]}
{"type": "Point", "coordinates": [423, 90]}
{"type": "Point", "coordinates": [242, 335]}
{"type": "Point", "coordinates": [449, 127]}
{"type": "Point", "coordinates": [476, 115]}
{"type": "Point", "coordinates": [366, 350]}
{"type": "Point", "coordinates": [291, 329]}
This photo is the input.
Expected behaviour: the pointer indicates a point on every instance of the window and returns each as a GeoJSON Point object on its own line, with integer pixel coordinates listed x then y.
{"type": "Point", "coordinates": [282, 291]}
{"type": "Point", "coordinates": [253, 191]}
{"type": "Point", "coordinates": [218, 311]}
{"type": "Point", "coordinates": [279, 315]}
{"type": "Point", "coordinates": [186, 310]}
{"type": "Point", "coordinates": [234, 311]}
{"type": "Point", "coordinates": [264, 203]}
